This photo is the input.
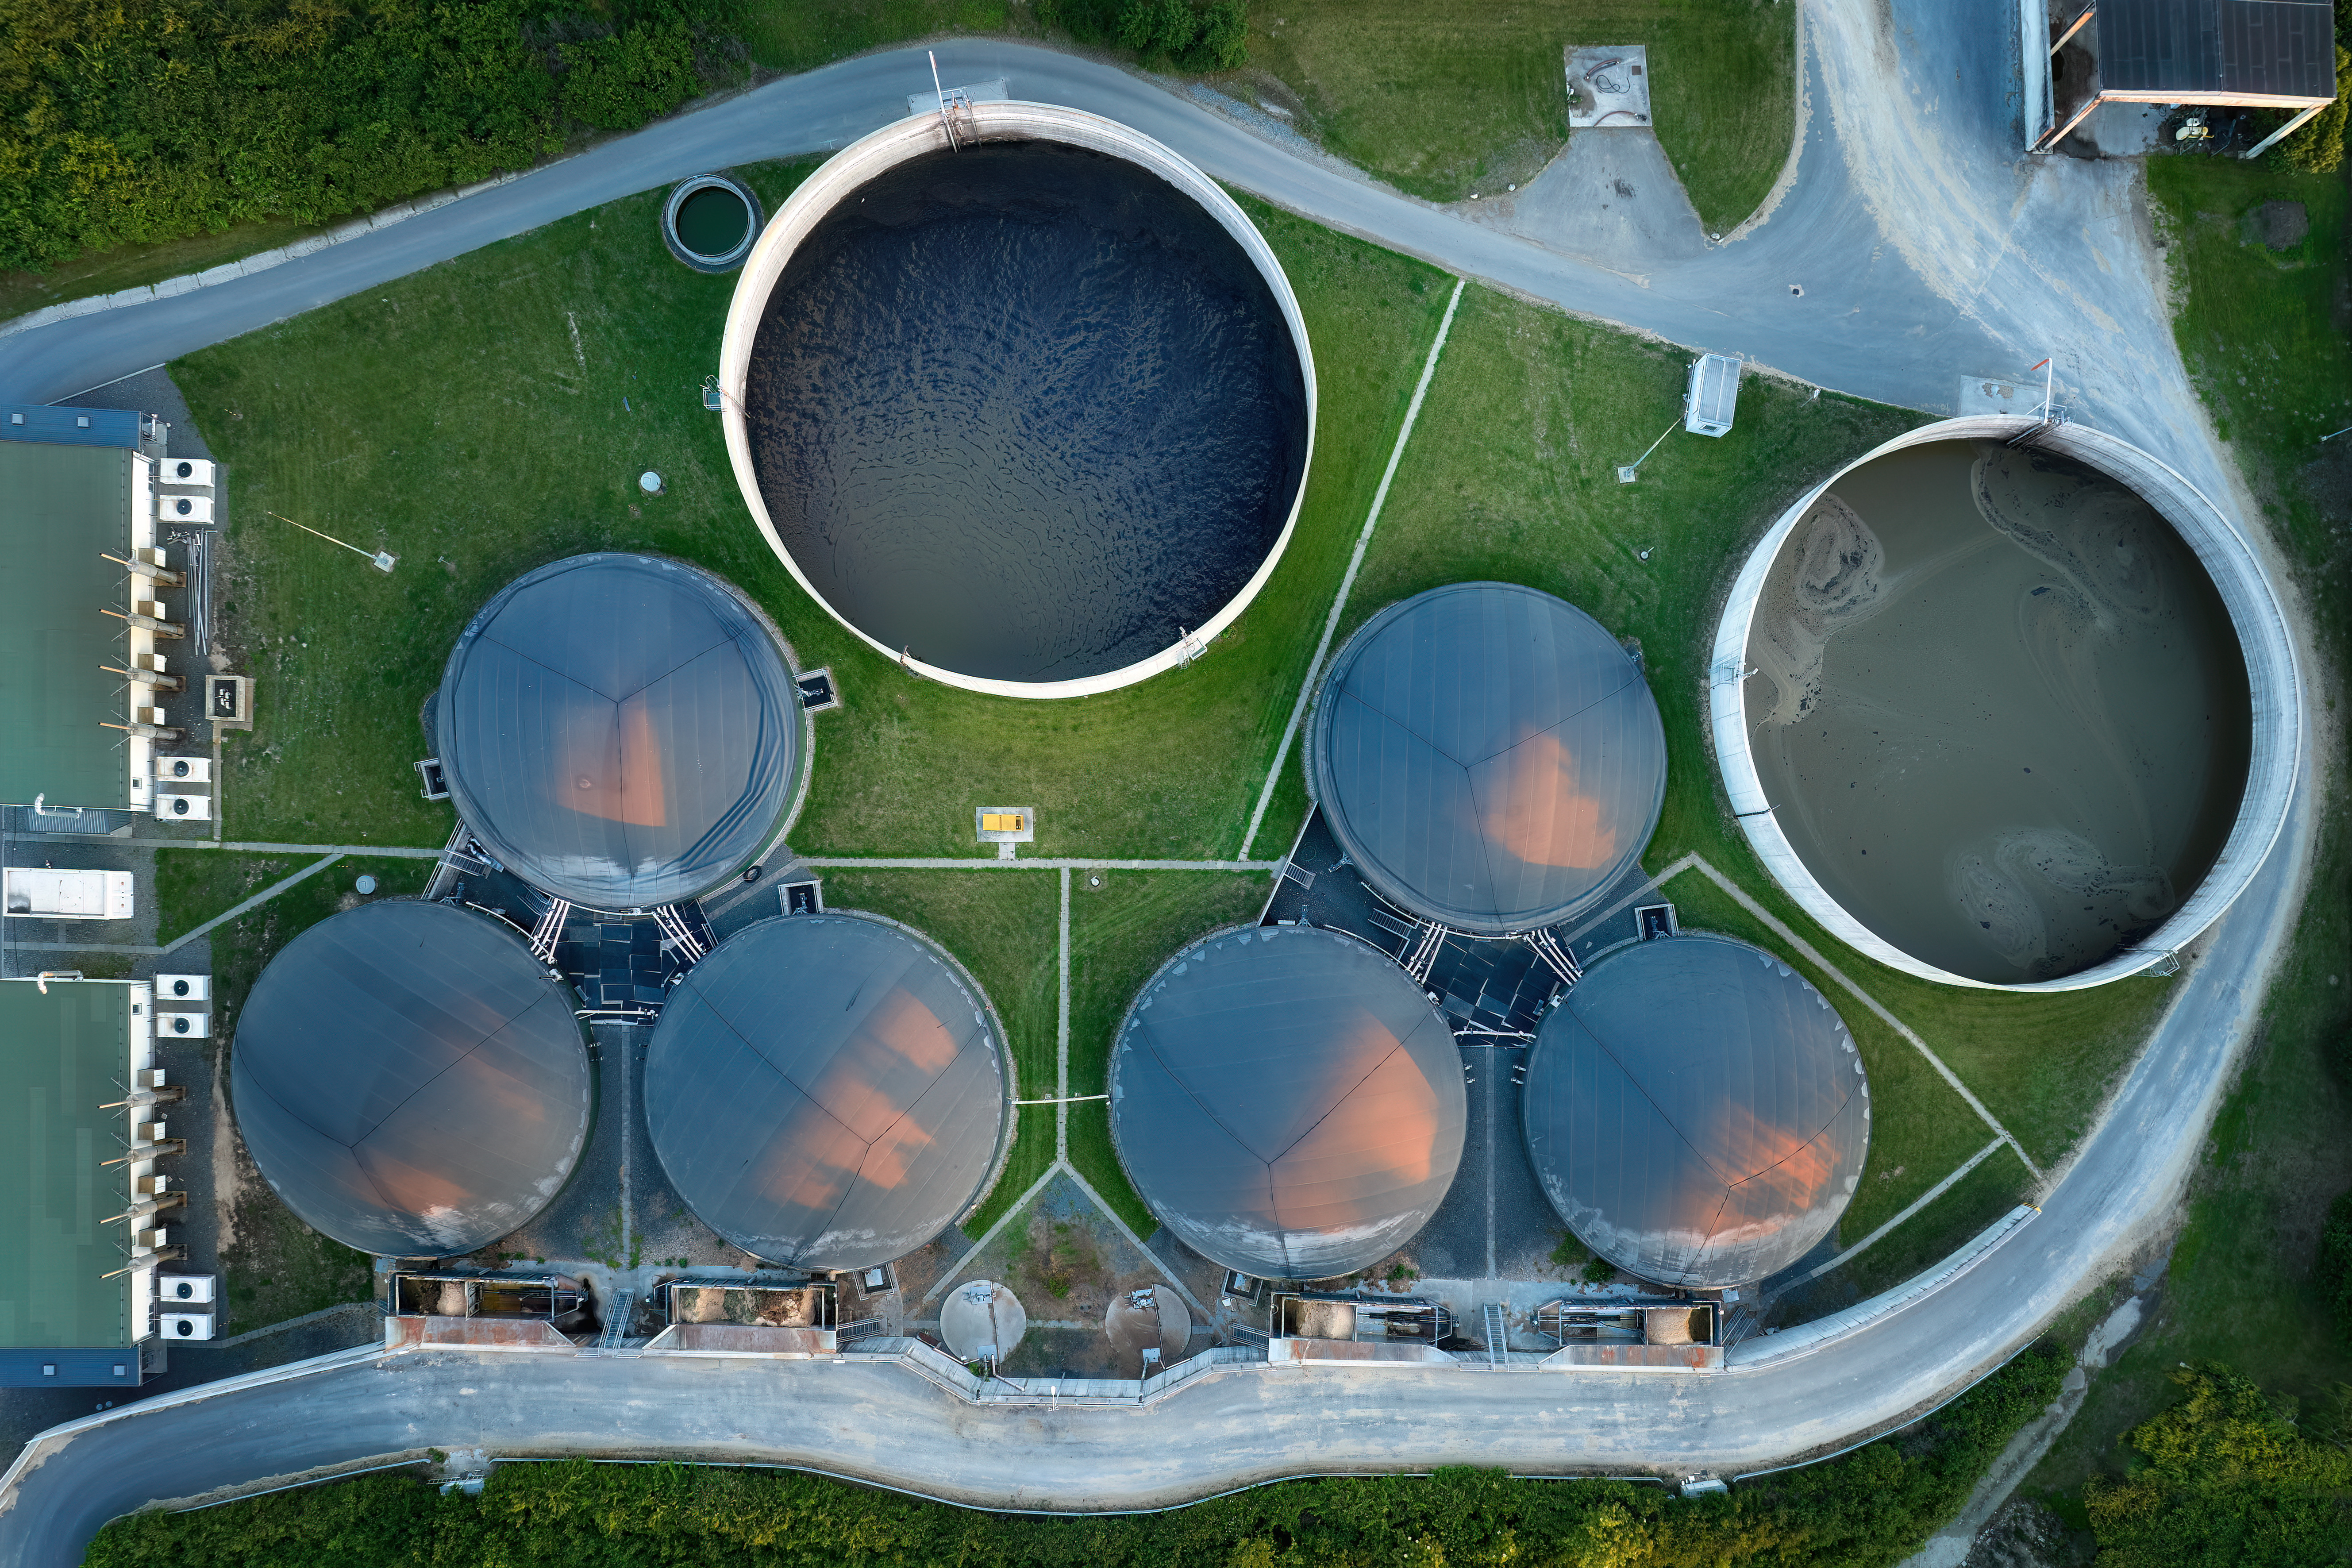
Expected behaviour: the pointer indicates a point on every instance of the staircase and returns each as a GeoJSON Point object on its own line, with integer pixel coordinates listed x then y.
{"type": "Point", "coordinates": [619, 1313]}
{"type": "Point", "coordinates": [1498, 1347]}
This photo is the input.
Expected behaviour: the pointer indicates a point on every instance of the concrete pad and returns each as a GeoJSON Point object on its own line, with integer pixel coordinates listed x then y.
{"type": "Point", "coordinates": [1607, 86]}
{"type": "Point", "coordinates": [1614, 200]}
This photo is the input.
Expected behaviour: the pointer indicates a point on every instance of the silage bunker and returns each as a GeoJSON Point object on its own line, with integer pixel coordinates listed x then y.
{"type": "Point", "coordinates": [1031, 412]}
{"type": "Point", "coordinates": [2009, 715]}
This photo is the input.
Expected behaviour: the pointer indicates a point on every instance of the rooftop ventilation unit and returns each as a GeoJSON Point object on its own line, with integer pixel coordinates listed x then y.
{"type": "Point", "coordinates": [190, 770]}
{"type": "Point", "coordinates": [183, 1025]}
{"type": "Point", "coordinates": [184, 509]}
{"type": "Point", "coordinates": [187, 1326]}
{"type": "Point", "coordinates": [183, 987]}
{"type": "Point", "coordinates": [174, 807]}
{"type": "Point", "coordinates": [195, 472]}
{"type": "Point", "coordinates": [1712, 396]}
{"type": "Point", "coordinates": [187, 1289]}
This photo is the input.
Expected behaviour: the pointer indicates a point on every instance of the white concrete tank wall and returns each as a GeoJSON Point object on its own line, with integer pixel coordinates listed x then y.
{"type": "Point", "coordinates": [893, 145]}
{"type": "Point", "coordinates": [2272, 677]}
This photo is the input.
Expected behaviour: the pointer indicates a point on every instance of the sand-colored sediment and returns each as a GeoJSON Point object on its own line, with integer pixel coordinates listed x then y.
{"type": "Point", "coordinates": [1999, 709]}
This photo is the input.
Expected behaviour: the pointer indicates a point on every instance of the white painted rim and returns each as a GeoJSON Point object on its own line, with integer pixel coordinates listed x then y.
{"type": "Point", "coordinates": [734, 253]}
{"type": "Point", "coordinates": [2273, 679]}
{"type": "Point", "coordinates": [893, 145]}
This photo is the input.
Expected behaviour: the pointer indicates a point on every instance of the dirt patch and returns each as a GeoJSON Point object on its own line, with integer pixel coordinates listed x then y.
{"type": "Point", "coordinates": [2024, 1534]}
{"type": "Point", "coordinates": [2281, 225]}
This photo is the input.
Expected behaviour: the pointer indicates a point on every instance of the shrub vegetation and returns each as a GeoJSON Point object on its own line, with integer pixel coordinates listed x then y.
{"type": "Point", "coordinates": [1874, 1506]}
{"type": "Point", "coordinates": [143, 120]}
{"type": "Point", "coordinates": [2227, 1476]}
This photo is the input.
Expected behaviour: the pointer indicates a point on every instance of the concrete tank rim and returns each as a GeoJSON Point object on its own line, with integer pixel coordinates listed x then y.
{"type": "Point", "coordinates": [2273, 675]}
{"type": "Point", "coordinates": [912, 137]}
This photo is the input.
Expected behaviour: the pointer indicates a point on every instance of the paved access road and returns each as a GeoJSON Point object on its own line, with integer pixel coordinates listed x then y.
{"type": "Point", "coordinates": [1925, 248]}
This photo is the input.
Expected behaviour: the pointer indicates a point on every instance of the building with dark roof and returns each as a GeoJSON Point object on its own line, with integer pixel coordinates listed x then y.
{"type": "Point", "coordinates": [622, 731]}
{"type": "Point", "coordinates": [1489, 757]}
{"type": "Point", "coordinates": [1697, 1112]}
{"type": "Point", "coordinates": [1287, 1102]}
{"type": "Point", "coordinates": [410, 1081]}
{"type": "Point", "coordinates": [2247, 54]}
{"type": "Point", "coordinates": [828, 1091]}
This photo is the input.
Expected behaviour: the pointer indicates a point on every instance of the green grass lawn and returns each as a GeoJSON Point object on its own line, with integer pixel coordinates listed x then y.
{"type": "Point", "coordinates": [1443, 100]}
{"type": "Point", "coordinates": [2263, 333]}
{"type": "Point", "coordinates": [374, 419]}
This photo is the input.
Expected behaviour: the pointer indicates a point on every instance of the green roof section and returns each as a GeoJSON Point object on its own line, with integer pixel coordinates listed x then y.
{"type": "Point", "coordinates": [62, 1056]}
{"type": "Point", "coordinates": [62, 508]}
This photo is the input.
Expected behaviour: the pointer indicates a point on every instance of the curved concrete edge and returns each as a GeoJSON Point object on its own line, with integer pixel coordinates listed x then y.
{"type": "Point", "coordinates": [909, 138]}
{"type": "Point", "coordinates": [2273, 677]}
{"type": "Point", "coordinates": [259, 261]}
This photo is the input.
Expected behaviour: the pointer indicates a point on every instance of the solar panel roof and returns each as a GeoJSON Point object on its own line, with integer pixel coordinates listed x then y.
{"type": "Point", "coordinates": [1489, 757]}
{"type": "Point", "coordinates": [1287, 1102]}
{"type": "Point", "coordinates": [1696, 1112]}
{"type": "Point", "coordinates": [827, 1091]}
{"type": "Point", "coordinates": [410, 1081]}
{"type": "Point", "coordinates": [2275, 48]}
{"type": "Point", "coordinates": [620, 731]}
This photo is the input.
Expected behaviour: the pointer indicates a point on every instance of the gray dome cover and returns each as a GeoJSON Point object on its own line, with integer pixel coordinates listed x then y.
{"type": "Point", "coordinates": [826, 1092]}
{"type": "Point", "coordinates": [410, 1081]}
{"type": "Point", "coordinates": [620, 731]}
{"type": "Point", "coordinates": [1488, 757]}
{"type": "Point", "coordinates": [1697, 1112]}
{"type": "Point", "coordinates": [1287, 1101]}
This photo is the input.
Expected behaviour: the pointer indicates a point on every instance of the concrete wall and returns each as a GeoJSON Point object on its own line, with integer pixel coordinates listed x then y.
{"type": "Point", "coordinates": [863, 159]}
{"type": "Point", "coordinates": [2273, 675]}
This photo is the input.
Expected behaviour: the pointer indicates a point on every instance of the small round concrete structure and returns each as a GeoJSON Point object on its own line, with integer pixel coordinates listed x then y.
{"type": "Point", "coordinates": [2114, 597]}
{"type": "Point", "coordinates": [1029, 417]}
{"type": "Point", "coordinates": [982, 1320]}
{"type": "Point", "coordinates": [1287, 1101]}
{"type": "Point", "coordinates": [1144, 1321]}
{"type": "Point", "coordinates": [1697, 1112]}
{"type": "Point", "coordinates": [410, 1081]}
{"type": "Point", "coordinates": [828, 1091]}
{"type": "Point", "coordinates": [621, 730]}
{"type": "Point", "coordinates": [710, 222]}
{"type": "Point", "coordinates": [1489, 757]}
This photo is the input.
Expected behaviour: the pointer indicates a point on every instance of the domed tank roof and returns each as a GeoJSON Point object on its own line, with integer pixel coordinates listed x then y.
{"type": "Point", "coordinates": [1696, 1112]}
{"type": "Point", "coordinates": [826, 1092]}
{"type": "Point", "coordinates": [620, 731]}
{"type": "Point", "coordinates": [1287, 1102]}
{"type": "Point", "coordinates": [1489, 757]}
{"type": "Point", "coordinates": [410, 1081]}
{"type": "Point", "coordinates": [981, 1320]}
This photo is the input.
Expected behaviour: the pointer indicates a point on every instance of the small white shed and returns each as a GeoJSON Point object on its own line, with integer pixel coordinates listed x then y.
{"type": "Point", "coordinates": [1712, 396]}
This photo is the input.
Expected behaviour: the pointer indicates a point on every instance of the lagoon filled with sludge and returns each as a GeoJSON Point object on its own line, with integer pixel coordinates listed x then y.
{"type": "Point", "coordinates": [1999, 708]}
{"type": "Point", "coordinates": [1025, 411]}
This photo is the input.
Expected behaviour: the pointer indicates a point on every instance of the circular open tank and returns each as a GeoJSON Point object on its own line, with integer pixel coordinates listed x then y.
{"type": "Point", "coordinates": [1489, 757]}
{"type": "Point", "coordinates": [410, 1081]}
{"type": "Point", "coordinates": [1696, 1112]}
{"type": "Point", "coordinates": [1287, 1101]}
{"type": "Point", "coordinates": [827, 1091]}
{"type": "Point", "coordinates": [1989, 712]}
{"type": "Point", "coordinates": [709, 221]}
{"type": "Point", "coordinates": [620, 731]}
{"type": "Point", "coordinates": [1032, 415]}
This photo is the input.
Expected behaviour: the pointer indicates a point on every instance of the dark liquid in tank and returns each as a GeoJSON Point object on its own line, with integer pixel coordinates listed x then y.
{"type": "Point", "coordinates": [711, 221]}
{"type": "Point", "coordinates": [1026, 410]}
{"type": "Point", "coordinates": [2001, 710]}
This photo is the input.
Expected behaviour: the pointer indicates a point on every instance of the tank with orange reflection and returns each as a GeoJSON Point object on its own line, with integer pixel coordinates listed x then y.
{"type": "Point", "coordinates": [828, 1091]}
{"type": "Point", "coordinates": [1697, 1112]}
{"type": "Point", "coordinates": [1489, 757]}
{"type": "Point", "coordinates": [1287, 1102]}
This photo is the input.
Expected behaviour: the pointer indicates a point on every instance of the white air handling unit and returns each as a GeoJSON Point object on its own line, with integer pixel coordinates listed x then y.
{"type": "Point", "coordinates": [1712, 396]}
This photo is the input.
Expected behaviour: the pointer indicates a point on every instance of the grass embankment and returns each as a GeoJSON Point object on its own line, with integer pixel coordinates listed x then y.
{"type": "Point", "coordinates": [1443, 100]}
{"type": "Point", "coordinates": [2263, 333]}
{"type": "Point", "coordinates": [1511, 475]}
{"type": "Point", "coordinates": [276, 1266]}
{"type": "Point", "coordinates": [1872, 1508]}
